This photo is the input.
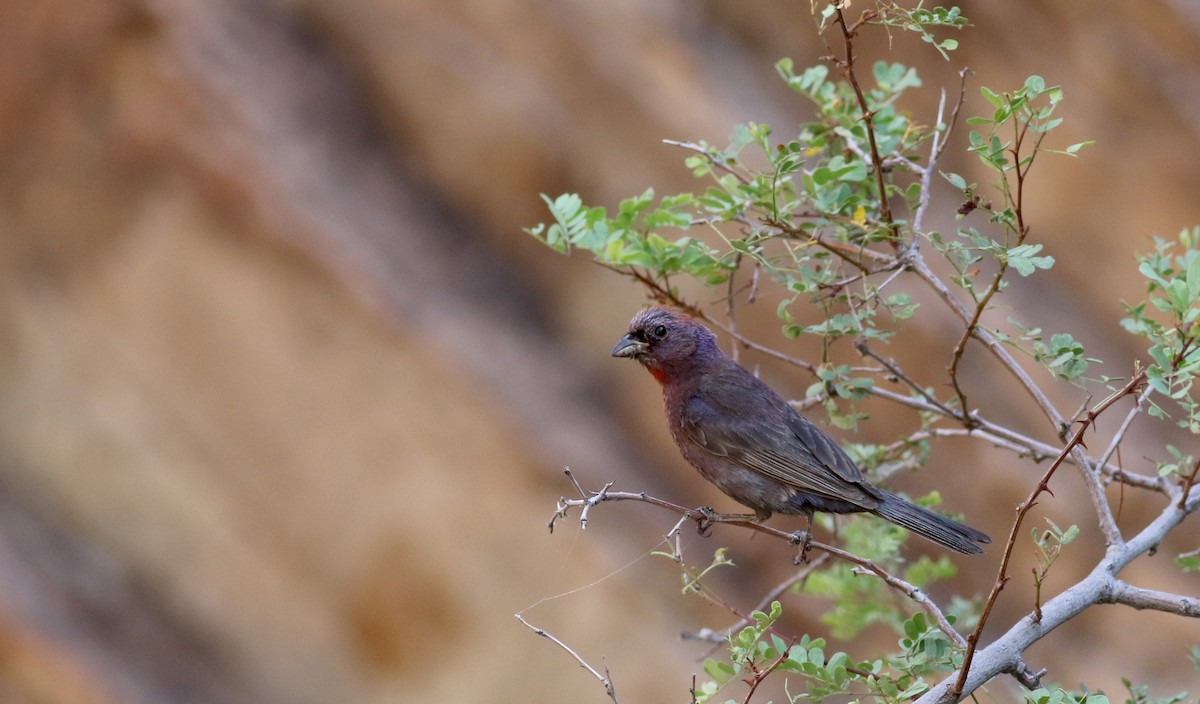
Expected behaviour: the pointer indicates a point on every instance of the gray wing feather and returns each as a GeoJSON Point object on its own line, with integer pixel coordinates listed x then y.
{"type": "Point", "coordinates": [793, 452]}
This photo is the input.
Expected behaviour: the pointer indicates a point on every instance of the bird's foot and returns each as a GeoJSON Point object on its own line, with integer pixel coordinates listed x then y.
{"type": "Point", "coordinates": [705, 517]}
{"type": "Point", "coordinates": [802, 538]}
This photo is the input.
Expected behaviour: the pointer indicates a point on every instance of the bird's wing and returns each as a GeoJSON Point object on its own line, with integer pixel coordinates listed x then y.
{"type": "Point", "coordinates": [731, 416]}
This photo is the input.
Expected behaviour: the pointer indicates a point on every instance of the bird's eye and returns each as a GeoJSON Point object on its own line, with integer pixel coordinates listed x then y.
{"type": "Point", "coordinates": [660, 332]}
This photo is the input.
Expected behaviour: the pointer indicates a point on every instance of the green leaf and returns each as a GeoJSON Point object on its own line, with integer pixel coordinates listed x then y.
{"type": "Point", "coordinates": [955, 180]}
{"type": "Point", "coordinates": [1023, 259]}
{"type": "Point", "coordinates": [991, 97]}
{"type": "Point", "coordinates": [718, 671]}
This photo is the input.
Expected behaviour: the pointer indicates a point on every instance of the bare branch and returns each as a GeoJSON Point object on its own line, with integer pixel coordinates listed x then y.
{"type": "Point", "coordinates": [894, 369]}
{"type": "Point", "coordinates": [604, 679]}
{"type": "Point", "coordinates": [724, 165]}
{"type": "Point", "coordinates": [703, 517]}
{"type": "Point", "coordinates": [927, 177]}
{"type": "Point", "coordinates": [1121, 592]}
{"type": "Point", "coordinates": [962, 98]}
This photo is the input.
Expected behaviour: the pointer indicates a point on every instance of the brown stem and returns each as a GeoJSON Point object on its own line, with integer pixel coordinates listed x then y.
{"type": "Point", "coordinates": [846, 253]}
{"type": "Point", "coordinates": [759, 676]}
{"type": "Point", "coordinates": [848, 32]}
{"type": "Point", "coordinates": [1187, 486]}
{"type": "Point", "coordinates": [981, 304]}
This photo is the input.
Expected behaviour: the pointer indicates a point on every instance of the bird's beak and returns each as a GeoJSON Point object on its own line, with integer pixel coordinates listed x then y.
{"type": "Point", "coordinates": [628, 347]}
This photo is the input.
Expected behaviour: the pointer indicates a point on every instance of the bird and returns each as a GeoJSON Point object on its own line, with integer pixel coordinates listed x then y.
{"type": "Point", "coordinates": [752, 445]}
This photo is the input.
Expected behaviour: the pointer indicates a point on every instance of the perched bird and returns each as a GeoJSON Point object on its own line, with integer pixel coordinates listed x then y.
{"type": "Point", "coordinates": [752, 445]}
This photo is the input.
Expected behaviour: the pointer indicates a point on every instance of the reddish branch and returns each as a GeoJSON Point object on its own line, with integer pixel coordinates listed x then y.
{"type": "Point", "coordinates": [760, 675]}
{"type": "Point", "coordinates": [848, 33]}
{"type": "Point", "coordinates": [1022, 231]}
{"type": "Point", "coordinates": [1023, 509]}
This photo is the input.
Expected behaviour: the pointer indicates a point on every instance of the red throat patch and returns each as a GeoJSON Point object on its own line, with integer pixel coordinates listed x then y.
{"type": "Point", "coordinates": [659, 375]}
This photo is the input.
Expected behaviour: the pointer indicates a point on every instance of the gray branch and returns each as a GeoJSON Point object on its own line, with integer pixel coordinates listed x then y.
{"type": "Point", "coordinates": [1122, 592]}
{"type": "Point", "coordinates": [1101, 586]}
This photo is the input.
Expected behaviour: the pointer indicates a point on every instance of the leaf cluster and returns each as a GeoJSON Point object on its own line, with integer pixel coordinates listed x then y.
{"type": "Point", "coordinates": [1169, 320]}
{"type": "Point", "coordinates": [756, 650]}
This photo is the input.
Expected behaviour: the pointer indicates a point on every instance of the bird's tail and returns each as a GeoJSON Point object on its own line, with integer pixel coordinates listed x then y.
{"type": "Point", "coordinates": [928, 524]}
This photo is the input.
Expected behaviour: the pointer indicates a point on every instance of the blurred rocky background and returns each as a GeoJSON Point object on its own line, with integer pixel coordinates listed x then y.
{"type": "Point", "coordinates": [285, 392]}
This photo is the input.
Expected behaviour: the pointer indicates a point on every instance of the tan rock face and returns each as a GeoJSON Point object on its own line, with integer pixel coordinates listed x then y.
{"type": "Point", "coordinates": [285, 393]}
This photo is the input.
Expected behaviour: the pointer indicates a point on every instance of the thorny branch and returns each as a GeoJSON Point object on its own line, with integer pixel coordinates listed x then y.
{"type": "Point", "coordinates": [1098, 587]}
{"type": "Point", "coordinates": [1021, 169]}
{"type": "Point", "coordinates": [760, 675]}
{"type": "Point", "coordinates": [1023, 509]}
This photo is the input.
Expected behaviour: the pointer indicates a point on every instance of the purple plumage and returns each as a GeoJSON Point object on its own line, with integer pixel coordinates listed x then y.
{"type": "Point", "coordinates": [752, 445]}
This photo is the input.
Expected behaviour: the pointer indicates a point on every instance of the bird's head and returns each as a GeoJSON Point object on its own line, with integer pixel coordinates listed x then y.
{"type": "Point", "coordinates": [668, 343]}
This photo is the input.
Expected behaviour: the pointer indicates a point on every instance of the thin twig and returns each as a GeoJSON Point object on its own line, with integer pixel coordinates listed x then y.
{"type": "Point", "coordinates": [995, 440]}
{"type": "Point", "coordinates": [730, 308]}
{"type": "Point", "coordinates": [747, 342]}
{"type": "Point", "coordinates": [894, 369]}
{"type": "Point", "coordinates": [846, 252]}
{"type": "Point", "coordinates": [1115, 442]}
{"type": "Point", "coordinates": [716, 636]}
{"type": "Point", "coordinates": [940, 140]}
{"type": "Point", "coordinates": [848, 31]}
{"type": "Point", "coordinates": [1187, 485]}
{"type": "Point", "coordinates": [724, 165]}
{"type": "Point", "coordinates": [605, 679]}
{"type": "Point", "coordinates": [760, 675]}
{"type": "Point", "coordinates": [962, 98]}
{"type": "Point", "coordinates": [927, 178]}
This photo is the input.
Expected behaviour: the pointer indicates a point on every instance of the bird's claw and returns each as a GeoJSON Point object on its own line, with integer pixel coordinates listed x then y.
{"type": "Point", "coordinates": [705, 520]}
{"type": "Point", "coordinates": [803, 538]}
